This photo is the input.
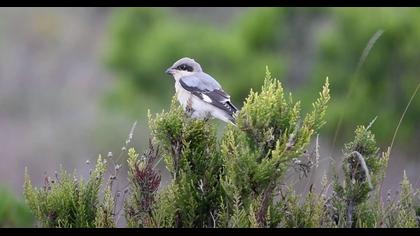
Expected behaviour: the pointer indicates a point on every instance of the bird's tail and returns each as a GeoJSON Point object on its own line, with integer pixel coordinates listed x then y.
{"type": "Point", "coordinates": [232, 118]}
{"type": "Point", "coordinates": [232, 121]}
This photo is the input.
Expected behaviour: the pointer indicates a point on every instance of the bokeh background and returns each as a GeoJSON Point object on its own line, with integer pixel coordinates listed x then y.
{"type": "Point", "coordinates": [73, 80]}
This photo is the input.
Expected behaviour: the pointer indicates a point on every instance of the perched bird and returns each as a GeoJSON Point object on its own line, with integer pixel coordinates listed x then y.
{"type": "Point", "coordinates": [199, 94]}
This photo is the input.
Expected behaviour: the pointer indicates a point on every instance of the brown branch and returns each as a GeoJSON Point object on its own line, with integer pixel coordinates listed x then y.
{"type": "Point", "coordinates": [267, 194]}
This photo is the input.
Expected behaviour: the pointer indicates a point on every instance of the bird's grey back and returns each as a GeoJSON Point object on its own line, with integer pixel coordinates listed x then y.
{"type": "Point", "coordinates": [202, 81]}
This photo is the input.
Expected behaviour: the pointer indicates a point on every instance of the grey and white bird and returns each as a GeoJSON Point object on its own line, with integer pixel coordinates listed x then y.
{"type": "Point", "coordinates": [199, 94]}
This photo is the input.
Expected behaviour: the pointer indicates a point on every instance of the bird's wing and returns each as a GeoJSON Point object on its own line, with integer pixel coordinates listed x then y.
{"type": "Point", "coordinates": [209, 91]}
{"type": "Point", "coordinates": [202, 81]}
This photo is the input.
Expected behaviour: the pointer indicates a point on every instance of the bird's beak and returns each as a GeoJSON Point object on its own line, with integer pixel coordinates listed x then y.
{"type": "Point", "coordinates": [169, 71]}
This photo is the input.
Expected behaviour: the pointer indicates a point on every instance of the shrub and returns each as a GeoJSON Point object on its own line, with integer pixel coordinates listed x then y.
{"type": "Point", "coordinates": [233, 181]}
{"type": "Point", "coordinates": [66, 201]}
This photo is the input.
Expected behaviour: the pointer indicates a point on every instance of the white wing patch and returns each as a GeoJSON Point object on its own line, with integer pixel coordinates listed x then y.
{"type": "Point", "coordinates": [206, 98]}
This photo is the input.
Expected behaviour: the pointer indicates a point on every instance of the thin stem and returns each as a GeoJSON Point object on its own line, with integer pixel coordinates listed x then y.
{"type": "Point", "coordinates": [362, 60]}
{"type": "Point", "coordinates": [397, 128]}
{"type": "Point", "coordinates": [402, 117]}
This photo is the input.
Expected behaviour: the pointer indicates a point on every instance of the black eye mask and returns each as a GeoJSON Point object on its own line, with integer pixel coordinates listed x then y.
{"type": "Point", "coordinates": [185, 67]}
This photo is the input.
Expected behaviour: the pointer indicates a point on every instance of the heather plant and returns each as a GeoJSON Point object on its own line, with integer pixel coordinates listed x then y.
{"type": "Point", "coordinates": [270, 134]}
{"type": "Point", "coordinates": [401, 213]}
{"type": "Point", "coordinates": [66, 201]}
{"type": "Point", "coordinates": [144, 181]}
{"type": "Point", "coordinates": [363, 168]}
{"type": "Point", "coordinates": [236, 179]}
{"type": "Point", "coordinates": [191, 153]}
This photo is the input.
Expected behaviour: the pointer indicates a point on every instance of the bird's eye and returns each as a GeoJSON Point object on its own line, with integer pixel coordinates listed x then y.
{"type": "Point", "coordinates": [189, 68]}
{"type": "Point", "coordinates": [185, 67]}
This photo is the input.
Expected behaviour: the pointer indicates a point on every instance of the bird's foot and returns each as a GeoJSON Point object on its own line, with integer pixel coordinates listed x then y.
{"type": "Point", "coordinates": [189, 111]}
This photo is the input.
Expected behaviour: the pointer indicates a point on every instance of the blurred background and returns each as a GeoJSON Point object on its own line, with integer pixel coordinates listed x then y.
{"type": "Point", "coordinates": [73, 80]}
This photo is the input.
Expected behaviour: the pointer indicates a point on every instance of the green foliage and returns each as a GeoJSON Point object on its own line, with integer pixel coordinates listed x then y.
{"type": "Point", "coordinates": [190, 151]}
{"type": "Point", "coordinates": [401, 212]}
{"type": "Point", "coordinates": [105, 213]}
{"type": "Point", "coordinates": [13, 212]}
{"type": "Point", "coordinates": [66, 201]}
{"type": "Point", "coordinates": [144, 182]}
{"type": "Point", "coordinates": [406, 214]}
{"type": "Point", "coordinates": [233, 181]}
{"type": "Point", "coordinates": [308, 214]}
{"type": "Point", "coordinates": [270, 135]}
{"type": "Point", "coordinates": [363, 169]}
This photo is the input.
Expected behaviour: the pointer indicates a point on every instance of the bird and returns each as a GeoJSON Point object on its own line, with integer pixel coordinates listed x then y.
{"type": "Point", "coordinates": [199, 94]}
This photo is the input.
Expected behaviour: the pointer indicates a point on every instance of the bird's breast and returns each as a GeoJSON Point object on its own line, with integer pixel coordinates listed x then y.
{"type": "Point", "coordinates": [184, 97]}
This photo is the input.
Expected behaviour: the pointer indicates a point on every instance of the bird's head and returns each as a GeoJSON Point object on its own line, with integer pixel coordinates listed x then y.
{"type": "Point", "coordinates": [184, 67]}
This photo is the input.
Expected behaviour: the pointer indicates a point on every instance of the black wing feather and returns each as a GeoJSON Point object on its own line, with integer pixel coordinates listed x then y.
{"type": "Point", "coordinates": [218, 97]}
